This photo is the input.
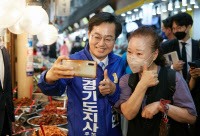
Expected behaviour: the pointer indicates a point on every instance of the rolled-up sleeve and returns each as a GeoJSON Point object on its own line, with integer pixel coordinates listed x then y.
{"type": "Point", "coordinates": [125, 92]}
{"type": "Point", "coordinates": [182, 96]}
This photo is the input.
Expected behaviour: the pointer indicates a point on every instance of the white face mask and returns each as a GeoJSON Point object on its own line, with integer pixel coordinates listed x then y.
{"type": "Point", "coordinates": [136, 64]}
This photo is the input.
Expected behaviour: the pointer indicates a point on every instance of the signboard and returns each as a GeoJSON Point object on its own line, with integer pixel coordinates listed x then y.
{"type": "Point", "coordinates": [63, 7]}
{"type": "Point", "coordinates": [29, 61]}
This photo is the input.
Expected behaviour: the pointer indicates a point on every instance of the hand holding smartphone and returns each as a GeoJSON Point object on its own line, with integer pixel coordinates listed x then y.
{"type": "Point", "coordinates": [82, 68]}
{"type": "Point", "coordinates": [192, 65]}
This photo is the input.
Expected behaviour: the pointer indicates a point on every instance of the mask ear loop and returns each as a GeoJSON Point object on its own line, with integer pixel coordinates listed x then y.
{"type": "Point", "coordinates": [150, 57]}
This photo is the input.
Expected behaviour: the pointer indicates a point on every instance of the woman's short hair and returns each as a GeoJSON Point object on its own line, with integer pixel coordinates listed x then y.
{"type": "Point", "coordinates": [146, 31]}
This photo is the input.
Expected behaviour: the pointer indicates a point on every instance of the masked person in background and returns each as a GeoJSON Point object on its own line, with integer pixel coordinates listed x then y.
{"type": "Point", "coordinates": [167, 32]}
{"type": "Point", "coordinates": [6, 95]}
{"type": "Point", "coordinates": [142, 91]}
{"type": "Point", "coordinates": [186, 48]}
{"type": "Point", "coordinates": [90, 104]}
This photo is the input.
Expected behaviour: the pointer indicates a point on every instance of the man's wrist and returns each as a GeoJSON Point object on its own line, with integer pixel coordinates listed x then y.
{"type": "Point", "coordinates": [47, 80]}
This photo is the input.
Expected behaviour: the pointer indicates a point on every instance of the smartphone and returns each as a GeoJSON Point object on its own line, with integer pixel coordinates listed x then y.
{"type": "Point", "coordinates": [82, 68]}
{"type": "Point", "coordinates": [193, 65]}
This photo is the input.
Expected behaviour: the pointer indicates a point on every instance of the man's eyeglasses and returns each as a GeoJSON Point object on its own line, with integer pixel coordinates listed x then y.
{"type": "Point", "coordinates": [106, 40]}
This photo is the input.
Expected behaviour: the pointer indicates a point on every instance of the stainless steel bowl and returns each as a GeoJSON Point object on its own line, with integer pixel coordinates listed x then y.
{"type": "Point", "coordinates": [26, 116]}
{"type": "Point", "coordinates": [29, 133]}
{"type": "Point", "coordinates": [34, 125]}
{"type": "Point", "coordinates": [22, 119]}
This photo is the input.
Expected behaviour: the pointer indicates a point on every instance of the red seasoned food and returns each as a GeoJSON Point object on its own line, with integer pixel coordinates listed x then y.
{"type": "Point", "coordinates": [53, 109]}
{"type": "Point", "coordinates": [50, 131]}
{"type": "Point", "coordinates": [56, 103]}
{"type": "Point", "coordinates": [25, 101]}
{"type": "Point", "coordinates": [48, 118]}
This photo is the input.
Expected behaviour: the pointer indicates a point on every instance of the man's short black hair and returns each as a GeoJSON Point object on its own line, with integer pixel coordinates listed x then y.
{"type": "Point", "coordinates": [167, 22]}
{"type": "Point", "coordinates": [104, 17]}
{"type": "Point", "coordinates": [183, 19]}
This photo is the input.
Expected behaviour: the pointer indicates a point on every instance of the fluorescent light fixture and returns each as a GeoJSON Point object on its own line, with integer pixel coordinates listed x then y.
{"type": "Point", "coordinates": [153, 11]}
{"type": "Point", "coordinates": [175, 12]}
{"type": "Point", "coordinates": [133, 17]}
{"type": "Point", "coordinates": [189, 7]}
{"type": "Point", "coordinates": [151, 3]}
{"type": "Point", "coordinates": [129, 12]}
{"type": "Point", "coordinates": [126, 20]}
{"type": "Point", "coordinates": [196, 6]}
{"type": "Point", "coordinates": [123, 14]}
{"type": "Point", "coordinates": [192, 2]}
{"type": "Point", "coordinates": [170, 5]}
{"type": "Point", "coordinates": [177, 4]}
{"type": "Point", "coordinates": [158, 10]}
{"type": "Point", "coordinates": [184, 2]}
{"type": "Point", "coordinates": [164, 0]}
{"type": "Point", "coordinates": [183, 9]}
{"type": "Point", "coordinates": [141, 14]}
{"type": "Point", "coordinates": [136, 10]}
{"type": "Point", "coordinates": [137, 17]}
{"type": "Point", "coordinates": [164, 7]}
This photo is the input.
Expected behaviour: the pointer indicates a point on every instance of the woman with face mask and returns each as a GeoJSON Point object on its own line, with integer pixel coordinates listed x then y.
{"type": "Point", "coordinates": [146, 93]}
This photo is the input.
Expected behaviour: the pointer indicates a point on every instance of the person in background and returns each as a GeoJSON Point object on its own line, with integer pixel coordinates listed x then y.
{"type": "Point", "coordinates": [186, 47]}
{"type": "Point", "coordinates": [194, 80]}
{"type": "Point", "coordinates": [90, 104]}
{"type": "Point", "coordinates": [6, 95]}
{"type": "Point", "coordinates": [124, 56]}
{"type": "Point", "coordinates": [167, 29]}
{"type": "Point", "coordinates": [52, 51]}
{"type": "Point", "coordinates": [77, 45]}
{"type": "Point", "coordinates": [64, 49]}
{"type": "Point", "coordinates": [149, 83]}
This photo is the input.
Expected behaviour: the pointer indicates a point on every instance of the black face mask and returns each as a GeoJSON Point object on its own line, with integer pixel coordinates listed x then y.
{"type": "Point", "coordinates": [180, 35]}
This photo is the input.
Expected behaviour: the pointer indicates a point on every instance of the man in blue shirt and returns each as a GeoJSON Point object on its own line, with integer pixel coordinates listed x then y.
{"type": "Point", "coordinates": [90, 101]}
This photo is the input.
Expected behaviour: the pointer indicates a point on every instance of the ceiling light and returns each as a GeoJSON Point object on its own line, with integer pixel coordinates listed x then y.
{"type": "Point", "coordinates": [133, 17]}
{"type": "Point", "coordinates": [175, 12]}
{"type": "Point", "coordinates": [126, 20]}
{"type": "Point", "coordinates": [123, 14]}
{"type": "Point", "coordinates": [177, 4]}
{"type": "Point", "coordinates": [141, 14]}
{"type": "Point", "coordinates": [164, 8]}
{"type": "Point", "coordinates": [151, 3]}
{"type": "Point", "coordinates": [196, 6]}
{"type": "Point", "coordinates": [192, 2]}
{"type": "Point", "coordinates": [170, 5]}
{"type": "Point", "coordinates": [129, 12]}
{"type": "Point", "coordinates": [137, 17]}
{"type": "Point", "coordinates": [184, 2]}
{"type": "Point", "coordinates": [136, 10]}
{"type": "Point", "coordinates": [189, 7]}
{"type": "Point", "coordinates": [158, 10]}
{"type": "Point", "coordinates": [153, 11]}
{"type": "Point", "coordinates": [183, 9]}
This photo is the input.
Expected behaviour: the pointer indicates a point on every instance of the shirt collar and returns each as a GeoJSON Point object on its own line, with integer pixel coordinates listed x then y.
{"type": "Point", "coordinates": [189, 41]}
{"type": "Point", "coordinates": [105, 61]}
